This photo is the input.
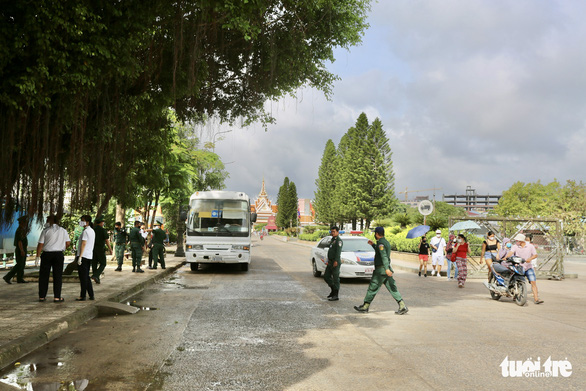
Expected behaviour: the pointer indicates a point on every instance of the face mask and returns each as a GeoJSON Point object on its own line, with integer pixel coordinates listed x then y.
{"type": "Point", "coordinates": [439, 235]}
{"type": "Point", "coordinates": [491, 238]}
{"type": "Point", "coordinates": [82, 224]}
{"type": "Point", "coordinates": [47, 225]}
{"type": "Point", "coordinates": [509, 245]}
{"type": "Point", "coordinates": [460, 240]}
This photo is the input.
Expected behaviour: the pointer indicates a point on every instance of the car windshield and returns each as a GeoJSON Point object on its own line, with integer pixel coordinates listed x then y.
{"type": "Point", "coordinates": [356, 246]}
{"type": "Point", "coordinates": [218, 218]}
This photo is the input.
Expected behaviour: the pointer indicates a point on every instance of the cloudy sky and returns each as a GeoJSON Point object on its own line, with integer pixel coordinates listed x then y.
{"type": "Point", "coordinates": [478, 92]}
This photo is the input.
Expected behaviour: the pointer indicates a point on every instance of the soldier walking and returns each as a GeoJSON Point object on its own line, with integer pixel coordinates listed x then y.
{"type": "Point", "coordinates": [21, 245]}
{"type": "Point", "coordinates": [120, 240]}
{"type": "Point", "coordinates": [136, 247]}
{"type": "Point", "coordinates": [383, 274]}
{"type": "Point", "coordinates": [332, 273]}
{"type": "Point", "coordinates": [102, 239]}
{"type": "Point", "coordinates": [158, 250]}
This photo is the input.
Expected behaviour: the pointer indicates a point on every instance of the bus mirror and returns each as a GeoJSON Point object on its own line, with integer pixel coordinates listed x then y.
{"type": "Point", "coordinates": [253, 217]}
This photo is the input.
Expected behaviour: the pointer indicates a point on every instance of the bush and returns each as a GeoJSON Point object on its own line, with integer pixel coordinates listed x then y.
{"type": "Point", "coordinates": [315, 236]}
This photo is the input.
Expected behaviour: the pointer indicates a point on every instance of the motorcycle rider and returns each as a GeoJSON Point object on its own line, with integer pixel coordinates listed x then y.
{"type": "Point", "coordinates": [526, 251]}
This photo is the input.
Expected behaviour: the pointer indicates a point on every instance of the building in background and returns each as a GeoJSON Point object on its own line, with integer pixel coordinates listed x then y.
{"type": "Point", "coordinates": [306, 213]}
{"type": "Point", "coordinates": [472, 202]}
{"type": "Point", "coordinates": [263, 207]}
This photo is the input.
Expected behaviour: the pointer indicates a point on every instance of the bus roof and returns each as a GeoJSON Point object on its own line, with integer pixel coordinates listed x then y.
{"type": "Point", "coordinates": [219, 195]}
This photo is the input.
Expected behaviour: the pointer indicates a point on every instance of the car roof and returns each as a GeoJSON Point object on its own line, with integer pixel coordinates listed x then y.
{"type": "Point", "coordinates": [349, 237]}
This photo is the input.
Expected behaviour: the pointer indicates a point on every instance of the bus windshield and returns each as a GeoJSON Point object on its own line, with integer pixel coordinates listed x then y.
{"type": "Point", "coordinates": [218, 218]}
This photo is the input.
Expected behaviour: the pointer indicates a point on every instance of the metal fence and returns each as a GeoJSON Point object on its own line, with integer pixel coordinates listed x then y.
{"type": "Point", "coordinates": [547, 235]}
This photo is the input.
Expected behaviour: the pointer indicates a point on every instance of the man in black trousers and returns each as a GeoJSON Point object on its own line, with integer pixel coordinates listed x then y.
{"type": "Point", "coordinates": [52, 242]}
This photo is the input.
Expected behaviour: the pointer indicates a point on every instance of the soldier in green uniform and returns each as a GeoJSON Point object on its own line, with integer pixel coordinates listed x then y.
{"type": "Point", "coordinates": [332, 273]}
{"type": "Point", "coordinates": [20, 244]}
{"type": "Point", "coordinates": [136, 247]}
{"type": "Point", "coordinates": [120, 240]}
{"type": "Point", "coordinates": [158, 249]}
{"type": "Point", "coordinates": [102, 240]}
{"type": "Point", "coordinates": [383, 274]}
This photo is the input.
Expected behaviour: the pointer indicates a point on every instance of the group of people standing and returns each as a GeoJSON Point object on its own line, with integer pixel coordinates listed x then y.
{"type": "Point", "coordinates": [91, 240]}
{"type": "Point", "coordinates": [457, 250]}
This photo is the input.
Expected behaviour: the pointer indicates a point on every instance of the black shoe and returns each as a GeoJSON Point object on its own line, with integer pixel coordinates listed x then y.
{"type": "Point", "coordinates": [425, 275]}
{"type": "Point", "coordinates": [360, 308]}
{"type": "Point", "coordinates": [7, 280]}
{"type": "Point", "coordinates": [163, 267]}
{"type": "Point", "coordinates": [92, 298]}
{"type": "Point", "coordinates": [402, 311]}
{"type": "Point", "coordinates": [419, 274]}
{"type": "Point", "coordinates": [96, 280]}
{"type": "Point", "coordinates": [134, 269]}
{"type": "Point", "coordinates": [151, 268]}
{"type": "Point", "coordinates": [334, 298]}
{"type": "Point", "coordinates": [22, 282]}
{"type": "Point", "coordinates": [331, 293]}
{"type": "Point", "coordinates": [118, 269]}
{"type": "Point", "coordinates": [139, 270]}
{"type": "Point", "coordinates": [80, 299]}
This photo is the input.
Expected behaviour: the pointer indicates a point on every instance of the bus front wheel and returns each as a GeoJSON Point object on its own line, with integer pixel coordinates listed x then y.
{"type": "Point", "coordinates": [194, 266]}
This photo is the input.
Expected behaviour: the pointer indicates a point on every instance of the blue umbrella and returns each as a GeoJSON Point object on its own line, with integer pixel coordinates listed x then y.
{"type": "Point", "coordinates": [467, 225]}
{"type": "Point", "coordinates": [418, 231]}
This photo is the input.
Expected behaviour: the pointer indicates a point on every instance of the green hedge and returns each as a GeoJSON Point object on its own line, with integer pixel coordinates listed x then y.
{"type": "Point", "coordinates": [315, 236]}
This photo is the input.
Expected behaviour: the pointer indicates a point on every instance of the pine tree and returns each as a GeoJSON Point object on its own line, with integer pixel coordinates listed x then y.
{"type": "Point", "coordinates": [282, 204]}
{"type": "Point", "coordinates": [325, 195]}
{"type": "Point", "coordinates": [293, 201]}
{"type": "Point", "coordinates": [380, 199]}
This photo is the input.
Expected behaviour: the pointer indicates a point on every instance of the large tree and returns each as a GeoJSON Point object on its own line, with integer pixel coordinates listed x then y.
{"type": "Point", "coordinates": [325, 193]}
{"type": "Point", "coordinates": [85, 86]}
{"type": "Point", "coordinates": [287, 203]}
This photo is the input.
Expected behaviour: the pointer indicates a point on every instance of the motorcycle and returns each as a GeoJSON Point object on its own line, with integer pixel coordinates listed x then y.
{"type": "Point", "coordinates": [510, 282]}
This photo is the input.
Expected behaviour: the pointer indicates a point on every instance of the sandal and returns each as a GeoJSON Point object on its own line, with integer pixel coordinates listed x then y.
{"type": "Point", "coordinates": [80, 299]}
{"type": "Point", "coordinates": [58, 300]}
{"type": "Point", "coordinates": [538, 301]}
{"type": "Point", "coordinates": [42, 299]}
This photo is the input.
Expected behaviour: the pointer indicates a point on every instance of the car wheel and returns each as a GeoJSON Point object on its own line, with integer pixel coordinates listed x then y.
{"type": "Point", "coordinates": [194, 266]}
{"type": "Point", "coordinates": [316, 273]}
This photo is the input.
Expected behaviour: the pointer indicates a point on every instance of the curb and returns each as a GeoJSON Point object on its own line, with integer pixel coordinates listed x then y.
{"type": "Point", "coordinates": [20, 347]}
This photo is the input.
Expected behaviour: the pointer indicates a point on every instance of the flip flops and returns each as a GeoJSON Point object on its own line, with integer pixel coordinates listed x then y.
{"type": "Point", "coordinates": [538, 301]}
{"type": "Point", "coordinates": [58, 300]}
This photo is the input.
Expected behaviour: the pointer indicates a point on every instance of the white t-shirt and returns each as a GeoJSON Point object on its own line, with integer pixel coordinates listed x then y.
{"type": "Point", "coordinates": [54, 238]}
{"type": "Point", "coordinates": [440, 243]}
{"type": "Point", "coordinates": [89, 235]}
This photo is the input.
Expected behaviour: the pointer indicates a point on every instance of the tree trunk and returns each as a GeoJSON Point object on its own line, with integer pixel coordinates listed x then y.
{"type": "Point", "coordinates": [361, 224]}
{"type": "Point", "coordinates": [354, 224]}
{"type": "Point", "coordinates": [157, 195]}
{"type": "Point", "coordinates": [367, 225]}
{"type": "Point", "coordinates": [103, 205]}
{"type": "Point", "coordinates": [121, 215]}
{"type": "Point", "coordinates": [180, 252]}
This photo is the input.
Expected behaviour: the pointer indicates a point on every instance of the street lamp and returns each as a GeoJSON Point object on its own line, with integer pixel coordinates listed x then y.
{"type": "Point", "coordinates": [214, 139]}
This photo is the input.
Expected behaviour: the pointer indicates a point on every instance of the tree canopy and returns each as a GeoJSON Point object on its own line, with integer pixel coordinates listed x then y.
{"type": "Point", "coordinates": [356, 180]}
{"type": "Point", "coordinates": [85, 87]}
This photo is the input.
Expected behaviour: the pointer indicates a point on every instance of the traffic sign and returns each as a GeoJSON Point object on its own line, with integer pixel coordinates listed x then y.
{"type": "Point", "coordinates": [425, 207]}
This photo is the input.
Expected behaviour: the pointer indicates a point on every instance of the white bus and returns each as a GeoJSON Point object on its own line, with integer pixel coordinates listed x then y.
{"type": "Point", "coordinates": [218, 228]}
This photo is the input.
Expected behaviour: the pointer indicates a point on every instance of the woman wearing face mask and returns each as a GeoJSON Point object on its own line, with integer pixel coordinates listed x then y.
{"type": "Point", "coordinates": [423, 255]}
{"type": "Point", "coordinates": [461, 251]}
{"type": "Point", "coordinates": [449, 251]}
{"type": "Point", "coordinates": [85, 251]}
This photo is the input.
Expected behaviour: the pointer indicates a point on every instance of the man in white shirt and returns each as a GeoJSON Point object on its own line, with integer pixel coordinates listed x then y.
{"type": "Point", "coordinates": [438, 248]}
{"type": "Point", "coordinates": [52, 242]}
{"type": "Point", "coordinates": [85, 251]}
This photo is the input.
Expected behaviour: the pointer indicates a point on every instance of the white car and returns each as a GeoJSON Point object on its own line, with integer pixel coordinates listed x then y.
{"type": "Point", "coordinates": [357, 257]}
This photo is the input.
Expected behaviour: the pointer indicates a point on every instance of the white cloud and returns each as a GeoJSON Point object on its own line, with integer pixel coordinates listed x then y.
{"type": "Point", "coordinates": [480, 93]}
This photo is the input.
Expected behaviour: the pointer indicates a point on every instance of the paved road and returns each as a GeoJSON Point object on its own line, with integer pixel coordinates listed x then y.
{"type": "Point", "coordinates": [272, 329]}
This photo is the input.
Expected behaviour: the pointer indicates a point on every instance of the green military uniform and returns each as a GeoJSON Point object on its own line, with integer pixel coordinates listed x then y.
{"type": "Point", "coordinates": [382, 263]}
{"type": "Point", "coordinates": [158, 249]}
{"type": "Point", "coordinates": [18, 268]}
{"type": "Point", "coordinates": [136, 245]}
{"type": "Point", "coordinates": [99, 258]}
{"type": "Point", "coordinates": [120, 240]}
{"type": "Point", "coordinates": [332, 274]}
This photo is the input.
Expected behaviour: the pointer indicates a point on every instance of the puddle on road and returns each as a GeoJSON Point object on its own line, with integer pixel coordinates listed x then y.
{"type": "Point", "coordinates": [23, 377]}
